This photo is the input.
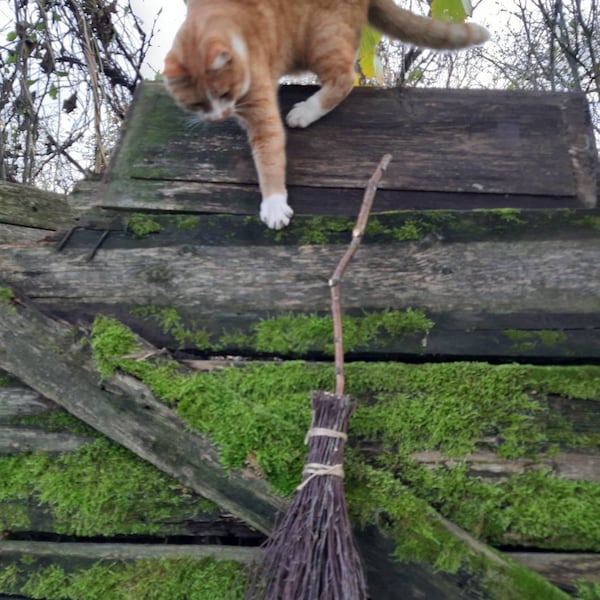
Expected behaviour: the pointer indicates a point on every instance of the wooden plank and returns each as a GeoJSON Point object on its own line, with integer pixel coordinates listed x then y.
{"type": "Point", "coordinates": [70, 557]}
{"type": "Point", "coordinates": [457, 141]}
{"type": "Point", "coordinates": [125, 410]}
{"type": "Point", "coordinates": [28, 206]}
{"type": "Point", "coordinates": [129, 414]}
{"type": "Point", "coordinates": [94, 552]}
{"type": "Point", "coordinates": [490, 467]}
{"type": "Point", "coordinates": [563, 569]}
{"type": "Point", "coordinates": [21, 439]}
{"type": "Point", "coordinates": [514, 285]}
{"type": "Point", "coordinates": [17, 401]}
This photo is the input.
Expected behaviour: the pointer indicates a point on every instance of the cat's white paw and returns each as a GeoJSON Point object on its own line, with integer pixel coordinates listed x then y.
{"type": "Point", "coordinates": [275, 212]}
{"type": "Point", "coordinates": [305, 113]}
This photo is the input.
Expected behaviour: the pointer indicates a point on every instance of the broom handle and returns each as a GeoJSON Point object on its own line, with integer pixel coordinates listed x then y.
{"type": "Point", "coordinates": [336, 278]}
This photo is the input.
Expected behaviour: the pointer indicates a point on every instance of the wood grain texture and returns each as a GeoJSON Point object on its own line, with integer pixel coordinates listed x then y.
{"type": "Point", "coordinates": [94, 552]}
{"type": "Point", "coordinates": [479, 294]}
{"type": "Point", "coordinates": [28, 206]}
{"type": "Point", "coordinates": [127, 413]}
{"type": "Point", "coordinates": [563, 569]}
{"type": "Point", "coordinates": [490, 467]}
{"type": "Point", "coordinates": [465, 143]}
{"type": "Point", "coordinates": [124, 410]}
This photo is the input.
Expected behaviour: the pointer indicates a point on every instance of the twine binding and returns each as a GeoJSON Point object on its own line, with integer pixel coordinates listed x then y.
{"type": "Point", "coordinates": [316, 470]}
{"type": "Point", "coordinates": [325, 432]}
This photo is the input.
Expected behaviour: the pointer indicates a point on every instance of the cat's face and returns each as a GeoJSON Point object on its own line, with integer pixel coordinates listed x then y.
{"type": "Point", "coordinates": [209, 76]}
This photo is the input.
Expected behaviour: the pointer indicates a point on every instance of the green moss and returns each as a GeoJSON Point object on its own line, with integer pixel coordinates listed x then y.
{"type": "Point", "coordinates": [535, 508]}
{"type": "Point", "coordinates": [175, 579]}
{"type": "Point", "coordinates": [449, 407]}
{"type": "Point", "coordinates": [571, 382]}
{"type": "Point", "coordinates": [261, 411]}
{"type": "Point", "coordinates": [101, 489]}
{"type": "Point", "coordinates": [187, 222]}
{"type": "Point", "coordinates": [110, 341]}
{"type": "Point", "coordinates": [294, 335]}
{"type": "Point", "coordinates": [588, 591]}
{"type": "Point", "coordinates": [591, 221]}
{"type": "Point", "coordinates": [298, 334]}
{"type": "Point", "coordinates": [141, 225]}
{"type": "Point", "coordinates": [409, 231]}
{"type": "Point", "coordinates": [375, 497]}
{"type": "Point", "coordinates": [6, 295]}
{"type": "Point", "coordinates": [8, 577]}
{"type": "Point", "coordinates": [171, 322]}
{"type": "Point", "coordinates": [318, 230]}
{"type": "Point", "coordinates": [518, 583]}
{"type": "Point", "coordinates": [509, 215]}
{"type": "Point", "coordinates": [527, 341]}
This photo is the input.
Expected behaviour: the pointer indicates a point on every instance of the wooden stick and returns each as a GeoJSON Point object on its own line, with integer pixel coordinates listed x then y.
{"type": "Point", "coordinates": [336, 278]}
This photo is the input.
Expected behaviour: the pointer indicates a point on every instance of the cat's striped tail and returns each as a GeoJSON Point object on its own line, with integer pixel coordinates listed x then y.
{"type": "Point", "coordinates": [406, 26]}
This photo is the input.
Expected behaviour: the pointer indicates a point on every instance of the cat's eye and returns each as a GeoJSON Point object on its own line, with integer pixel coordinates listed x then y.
{"type": "Point", "coordinates": [224, 96]}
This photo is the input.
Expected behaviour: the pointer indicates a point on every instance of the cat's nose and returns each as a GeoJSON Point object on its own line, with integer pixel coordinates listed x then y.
{"type": "Point", "coordinates": [221, 116]}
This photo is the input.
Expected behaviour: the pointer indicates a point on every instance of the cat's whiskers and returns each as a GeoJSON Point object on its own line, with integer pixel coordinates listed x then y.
{"type": "Point", "coordinates": [194, 121]}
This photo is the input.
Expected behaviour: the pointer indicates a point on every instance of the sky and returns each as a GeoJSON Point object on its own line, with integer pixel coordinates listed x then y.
{"type": "Point", "coordinates": [168, 21]}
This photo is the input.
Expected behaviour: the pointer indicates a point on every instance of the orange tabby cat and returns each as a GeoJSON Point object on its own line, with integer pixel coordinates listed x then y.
{"type": "Point", "coordinates": [228, 56]}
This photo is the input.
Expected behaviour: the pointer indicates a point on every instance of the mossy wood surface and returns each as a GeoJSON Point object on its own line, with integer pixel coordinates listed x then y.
{"type": "Point", "coordinates": [42, 452]}
{"type": "Point", "coordinates": [451, 149]}
{"type": "Point", "coordinates": [513, 284]}
{"type": "Point", "coordinates": [37, 334]}
{"type": "Point", "coordinates": [126, 413]}
{"type": "Point", "coordinates": [170, 244]}
{"type": "Point", "coordinates": [64, 377]}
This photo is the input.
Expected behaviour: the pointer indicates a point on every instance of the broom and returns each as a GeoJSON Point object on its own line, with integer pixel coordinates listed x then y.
{"type": "Point", "coordinates": [311, 553]}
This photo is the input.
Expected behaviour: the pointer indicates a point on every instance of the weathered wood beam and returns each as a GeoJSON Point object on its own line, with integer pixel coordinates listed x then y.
{"type": "Point", "coordinates": [473, 145]}
{"type": "Point", "coordinates": [527, 292]}
{"type": "Point", "coordinates": [44, 354]}
{"type": "Point", "coordinates": [31, 207]}
{"type": "Point", "coordinates": [93, 552]}
{"type": "Point", "coordinates": [489, 466]}
{"type": "Point", "coordinates": [17, 401]}
{"type": "Point", "coordinates": [51, 358]}
{"type": "Point", "coordinates": [562, 569]}
{"type": "Point", "coordinates": [20, 439]}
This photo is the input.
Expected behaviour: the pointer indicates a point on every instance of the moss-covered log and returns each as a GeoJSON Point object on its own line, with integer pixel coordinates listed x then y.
{"type": "Point", "coordinates": [122, 571]}
{"type": "Point", "coordinates": [60, 477]}
{"type": "Point", "coordinates": [126, 413]}
{"type": "Point", "coordinates": [564, 569]}
{"type": "Point", "coordinates": [370, 490]}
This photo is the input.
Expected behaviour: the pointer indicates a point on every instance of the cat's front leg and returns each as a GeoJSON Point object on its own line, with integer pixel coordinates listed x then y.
{"type": "Point", "coordinates": [267, 139]}
{"type": "Point", "coordinates": [334, 69]}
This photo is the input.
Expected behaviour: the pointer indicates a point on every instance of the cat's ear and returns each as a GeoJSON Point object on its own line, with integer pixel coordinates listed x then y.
{"type": "Point", "coordinates": [173, 68]}
{"type": "Point", "coordinates": [218, 56]}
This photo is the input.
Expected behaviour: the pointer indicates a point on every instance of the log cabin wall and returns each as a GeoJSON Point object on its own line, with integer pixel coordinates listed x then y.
{"type": "Point", "coordinates": [483, 245]}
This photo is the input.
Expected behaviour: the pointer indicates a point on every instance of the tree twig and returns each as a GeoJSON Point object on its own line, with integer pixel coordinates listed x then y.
{"type": "Point", "coordinates": [336, 278]}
